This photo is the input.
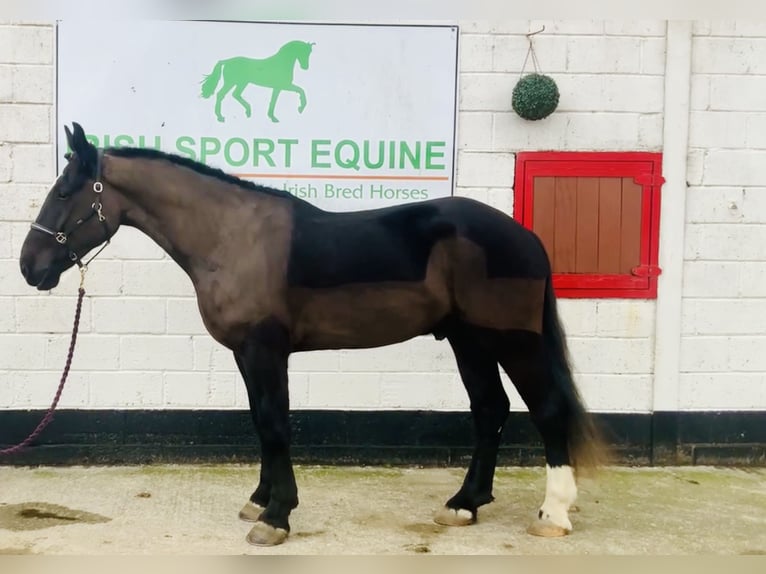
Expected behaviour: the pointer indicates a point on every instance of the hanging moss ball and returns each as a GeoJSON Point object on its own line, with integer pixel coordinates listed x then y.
{"type": "Point", "coordinates": [535, 97]}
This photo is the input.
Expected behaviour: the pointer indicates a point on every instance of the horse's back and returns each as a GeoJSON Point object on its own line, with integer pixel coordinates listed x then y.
{"type": "Point", "coordinates": [373, 246]}
{"type": "Point", "coordinates": [244, 69]}
{"type": "Point", "coordinates": [395, 243]}
{"type": "Point", "coordinates": [375, 277]}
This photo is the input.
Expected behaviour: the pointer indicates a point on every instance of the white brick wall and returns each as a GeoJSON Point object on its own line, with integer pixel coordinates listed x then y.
{"type": "Point", "coordinates": [32, 163]}
{"type": "Point", "coordinates": [615, 69]}
{"type": "Point", "coordinates": [611, 344]}
{"type": "Point", "coordinates": [143, 344]}
{"type": "Point", "coordinates": [26, 44]}
{"type": "Point", "coordinates": [25, 123]}
{"type": "Point", "coordinates": [723, 337]}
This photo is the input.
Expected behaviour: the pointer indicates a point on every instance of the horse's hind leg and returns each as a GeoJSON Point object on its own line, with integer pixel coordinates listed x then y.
{"type": "Point", "coordinates": [237, 95]}
{"type": "Point", "coordinates": [264, 358]}
{"type": "Point", "coordinates": [489, 406]}
{"type": "Point", "coordinates": [272, 104]}
{"type": "Point", "coordinates": [530, 369]}
{"type": "Point", "coordinates": [225, 89]}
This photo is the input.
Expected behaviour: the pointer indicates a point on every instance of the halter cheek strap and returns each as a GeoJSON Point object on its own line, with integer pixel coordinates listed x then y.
{"type": "Point", "coordinates": [62, 236]}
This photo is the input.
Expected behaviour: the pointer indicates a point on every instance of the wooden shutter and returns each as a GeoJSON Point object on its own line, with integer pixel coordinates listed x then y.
{"type": "Point", "coordinates": [597, 215]}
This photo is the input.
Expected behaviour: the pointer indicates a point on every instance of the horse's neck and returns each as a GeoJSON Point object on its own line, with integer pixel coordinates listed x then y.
{"type": "Point", "coordinates": [286, 58]}
{"type": "Point", "coordinates": [184, 212]}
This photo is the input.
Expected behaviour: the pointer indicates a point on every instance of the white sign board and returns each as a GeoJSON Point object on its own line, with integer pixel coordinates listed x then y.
{"type": "Point", "coordinates": [345, 116]}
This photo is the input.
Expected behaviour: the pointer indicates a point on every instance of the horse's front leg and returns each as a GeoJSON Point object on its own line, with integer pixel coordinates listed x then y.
{"type": "Point", "coordinates": [259, 499]}
{"type": "Point", "coordinates": [264, 358]}
{"type": "Point", "coordinates": [301, 95]}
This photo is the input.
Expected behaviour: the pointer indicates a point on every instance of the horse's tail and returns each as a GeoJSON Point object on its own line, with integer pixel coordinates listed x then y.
{"type": "Point", "coordinates": [211, 80]}
{"type": "Point", "coordinates": [585, 444]}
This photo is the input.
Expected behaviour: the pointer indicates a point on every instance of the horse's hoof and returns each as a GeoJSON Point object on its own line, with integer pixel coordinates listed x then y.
{"type": "Point", "coordinates": [547, 529]}
{"type": "Point", "coordinates": [451, 517]}
{"type": "Point", "coordinates": [263, 534]}
{"type": "Point", "coordinates": [250, 512]}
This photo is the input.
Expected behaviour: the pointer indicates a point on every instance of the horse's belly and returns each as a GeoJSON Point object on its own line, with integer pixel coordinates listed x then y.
{"type": "Point", "coordinates": [363, 316]}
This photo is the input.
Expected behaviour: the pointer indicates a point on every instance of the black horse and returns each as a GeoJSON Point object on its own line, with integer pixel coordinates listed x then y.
{"type": "Point", "coordinates": [275, 275]}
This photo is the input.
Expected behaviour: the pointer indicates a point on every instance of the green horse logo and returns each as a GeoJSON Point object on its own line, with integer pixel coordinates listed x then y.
{"type": "Point", "coordinates": [275, 72]}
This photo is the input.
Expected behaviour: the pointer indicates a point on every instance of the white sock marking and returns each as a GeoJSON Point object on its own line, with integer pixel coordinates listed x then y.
{"type": "Point", "coordinates": [463, 513]}
{"type": "Point", "coordinates": [560, 494]}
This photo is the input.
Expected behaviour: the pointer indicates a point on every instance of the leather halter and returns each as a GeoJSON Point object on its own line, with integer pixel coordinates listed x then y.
{"type": "Point", "coordinates": [62, 236]}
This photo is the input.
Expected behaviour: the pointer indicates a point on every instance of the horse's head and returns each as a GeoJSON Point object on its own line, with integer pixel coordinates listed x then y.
{"type": "Point", "coordinates": [303, 54]}
{"type": "Point", "coordinates": [72, 220]}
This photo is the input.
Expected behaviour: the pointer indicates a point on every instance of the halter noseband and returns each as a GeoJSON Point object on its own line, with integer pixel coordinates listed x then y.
{"type": "Point", "coordinates": [62, 236]}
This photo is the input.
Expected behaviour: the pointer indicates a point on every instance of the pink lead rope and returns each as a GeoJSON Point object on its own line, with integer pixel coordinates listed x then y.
{"type": "Point", "coordinates": [49, 415]}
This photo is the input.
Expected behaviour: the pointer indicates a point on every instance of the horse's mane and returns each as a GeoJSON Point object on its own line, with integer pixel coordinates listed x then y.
{"type": "Point", "coordinates": [201, 168]}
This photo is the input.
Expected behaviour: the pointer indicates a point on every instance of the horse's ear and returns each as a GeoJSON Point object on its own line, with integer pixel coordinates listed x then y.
{"type": "Point", "coordinates": [79, 134]}
{"type": "Point", "coordinates": [80, 145]}
{"type": "Point", "coordinates": [69, 138]}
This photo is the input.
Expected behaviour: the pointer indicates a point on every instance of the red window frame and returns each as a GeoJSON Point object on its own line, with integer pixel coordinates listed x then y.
{"type": "Point", "coordinates": [646, 170]}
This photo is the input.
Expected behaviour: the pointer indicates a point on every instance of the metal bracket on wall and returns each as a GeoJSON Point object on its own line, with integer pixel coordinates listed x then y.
{"type": "Point", "coordinates": [649, 178]}
{"type": "Point", "coordinates": [646, 271]}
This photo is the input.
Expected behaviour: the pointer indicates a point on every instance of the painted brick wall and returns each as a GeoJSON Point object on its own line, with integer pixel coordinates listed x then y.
{"type": "Point", "coordinates": [142, 343]}
{"type": "Point", "coordinates": [723, 351]}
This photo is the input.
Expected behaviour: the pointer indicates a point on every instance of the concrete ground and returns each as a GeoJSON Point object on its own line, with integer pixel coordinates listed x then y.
{"type": "Point", "coordinates": [349, 510]}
